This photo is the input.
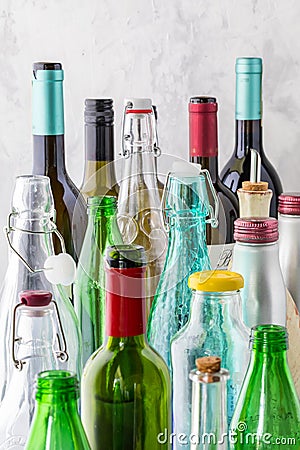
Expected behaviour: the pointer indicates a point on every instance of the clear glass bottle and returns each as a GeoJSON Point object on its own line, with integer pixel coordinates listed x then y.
{"type": "Point", "coordinates": [268, 411]}
{"type": "Point", "coordinates": [215, 327]}
{"type": "Point", "coordinates": [56, 423]}
{"type": "Point", "coordinates": [99, 177]}
{"type": "Point", "coordinates": [125, 384]}
{"type": "Point", "coordinates": [36, 346]}
{"type": "Point", "coordinates": [186, 208]}
{"type": "Point", "coordinates": [139, 214]}
{"type": "Point", "coordinates": [256, 257]}
{"type": "Point", "coordinates": [29, 231]}
{"type": "Point", "coordinates": [209, 429]}
{"type": "Point", "coordinates": [89, 299]}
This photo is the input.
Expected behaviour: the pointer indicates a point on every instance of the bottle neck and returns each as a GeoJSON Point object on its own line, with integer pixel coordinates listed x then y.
{"type": "Point", "coordinates": [209, 163]}
{"type": "Point", "coordinates": [216, 308]}
{"type": "Point", "coordinates": [248, 134]}
{"type": "Point", "coordinates": [125, 305]}
{"type": "Point", "coordinates": [99, 156]}
{"type": "Point", "coordinates": [49, 155]}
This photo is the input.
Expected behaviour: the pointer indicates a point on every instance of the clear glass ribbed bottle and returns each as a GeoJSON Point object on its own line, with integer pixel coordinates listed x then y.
{"type": "Point", "coordinates": [215, 327]}
{"type": "Point", "coordinates": [56, 423]}
{"type": "Point", "coordinates": [267, 413]}
{"type": "Point", "coordinates": [36, 347]}
{"type": "Point", "coordinates": [125, 384]}
{"type": "Point", "coordinates": [89, 299]}
{"type": "Point", "coordinates": [139, 214]}
{"type": "Point", "coordinates": [209, 429]}
{"type": "Point", "coordinates": [30, 233]}
{"type": "Point", "coordinates": [186, 209]}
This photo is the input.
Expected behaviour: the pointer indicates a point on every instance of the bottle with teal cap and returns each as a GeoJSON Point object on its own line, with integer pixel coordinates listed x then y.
{"type": "Point", "coordinates": [49, 153]}
{"type": "Point", "coordinates": [248, 132]}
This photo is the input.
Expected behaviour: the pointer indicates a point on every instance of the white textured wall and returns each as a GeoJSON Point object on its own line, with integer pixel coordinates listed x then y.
{"type": "Point", "coordinates": [164, 49]}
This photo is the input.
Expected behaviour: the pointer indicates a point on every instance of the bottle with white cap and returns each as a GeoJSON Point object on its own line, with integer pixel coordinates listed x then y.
{"type": "Point", "coordinates": [139, 215]}
{"type": "Point", "coordinates": [34, 266]}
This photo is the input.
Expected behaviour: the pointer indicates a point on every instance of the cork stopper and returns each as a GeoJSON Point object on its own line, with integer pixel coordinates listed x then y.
{"type": "Point", "coordinates": [208, 364]}
{"type": "Point", "coordinates": [255, 186]}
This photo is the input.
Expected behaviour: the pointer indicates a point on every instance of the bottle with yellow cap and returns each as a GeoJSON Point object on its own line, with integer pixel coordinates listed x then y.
{"type": "Point", "coordinates": [215, 327]}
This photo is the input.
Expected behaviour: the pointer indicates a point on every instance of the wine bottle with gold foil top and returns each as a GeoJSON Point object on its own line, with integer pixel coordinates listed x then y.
{"type": "Point", "coordinates": [139, 214]}
{"type": "Point", "coordinates": [99, 173]}
{"type": "Point", "coordinates": [49, 154]}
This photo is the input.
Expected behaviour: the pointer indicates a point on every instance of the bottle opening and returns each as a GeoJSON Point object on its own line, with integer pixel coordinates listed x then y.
{"type": "Point", "coordinates": [57, 382]}
{"type": "Point", "coordinates": [268, 338]}
{"type": "Point", "coordinates": [126, 256]}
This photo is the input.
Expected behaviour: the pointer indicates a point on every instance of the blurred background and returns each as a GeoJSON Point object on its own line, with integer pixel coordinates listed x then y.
{"type": "Point", "coordinates": [168, 50]}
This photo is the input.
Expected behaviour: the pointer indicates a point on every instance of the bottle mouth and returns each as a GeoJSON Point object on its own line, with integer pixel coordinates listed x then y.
{"type": "Point", "coordinates": [126, 256]}
{"type": "Point", "coordinates": [57, 382]}
{"type": "Point", "coordinates": [269, 338]}
{"type": "Point", "coordinates": [256, 230]}
{"type": "Point", "coordinates": [98, 111]}
{"type": "Point", "coordinates": [101, 202]}
{"type": "Point", "coordinates": [289, 203]}
{"type": "Point", "coordinates": [203, 104]}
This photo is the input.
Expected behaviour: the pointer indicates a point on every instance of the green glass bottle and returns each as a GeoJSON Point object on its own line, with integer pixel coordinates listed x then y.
{"type": "Point", "coordinates": [126, 385]}
{"type": "Point", "coordinates": [268, 410]}
{"type": "Point", "coordinates": [56, 423]}
{"type": "Point", "coordinates": [89, 298]}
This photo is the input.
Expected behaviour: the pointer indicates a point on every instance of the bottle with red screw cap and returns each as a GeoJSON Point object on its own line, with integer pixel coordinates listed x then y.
{"type": "Point", "coordinates": [38, 343]}
{"type": "Point", "coordinates": [289, 241]}
{"type": "Point", "coordinates": [256, 257]}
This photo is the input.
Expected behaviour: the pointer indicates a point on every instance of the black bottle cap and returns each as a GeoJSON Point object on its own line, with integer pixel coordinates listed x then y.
{"type": "Point", "coordinates": [203, 99]}
{"type": "Point", "coordinates": [99, 111]}
{"type": "Point", "coordinates": [125, 256]}
{"type": "Point", "coordinates": [47, 66]}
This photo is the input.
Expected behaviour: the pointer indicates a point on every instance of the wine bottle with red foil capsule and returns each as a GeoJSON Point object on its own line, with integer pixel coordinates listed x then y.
{"type": "Point", "coordinates": [203, 130]}
{"type": "Point", "coordinates": [248, 131]}
{"type": "Point", "coordinates": [125, 385]}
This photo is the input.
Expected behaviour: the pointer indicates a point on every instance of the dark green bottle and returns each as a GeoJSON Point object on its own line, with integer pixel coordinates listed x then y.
{"type": "Point", "coordinates": [267, 413]}
{"type": "Point", "coordinates": [89, 298]}
{"type": "Point", "coordinates": [126, 385]}
{"type": "Point", "coordinates": [56, 423]}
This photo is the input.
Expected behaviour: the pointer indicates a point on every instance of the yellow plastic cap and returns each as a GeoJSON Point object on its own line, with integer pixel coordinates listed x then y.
{"type": "Point", "coordinates": [216, 281]}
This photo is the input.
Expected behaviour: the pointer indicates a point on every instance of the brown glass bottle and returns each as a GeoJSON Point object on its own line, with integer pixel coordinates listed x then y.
{"type": "Point", "coordinates": [99, 174]}
{"type": "Point", "coordinates": [49, 153]}
{"type": "Point", "coordinates": [204, 151]}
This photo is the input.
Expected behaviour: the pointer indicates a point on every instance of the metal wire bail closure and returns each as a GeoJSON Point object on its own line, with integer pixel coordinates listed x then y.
{"type": "Point", "coordinates": [213, 210]}
{"type": "Point", "coordinates": [61, 353]}
{"type": "Point", "coordinates": [9, 228]}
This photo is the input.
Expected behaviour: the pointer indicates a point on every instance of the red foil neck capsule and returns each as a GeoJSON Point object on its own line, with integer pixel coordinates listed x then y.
{"type": "Point", "coordinates": [125, 302]}
{"type": "Point", "coordinates": [289, 203]}
{"type": "Point", "coordinates": [203, 127]}
{"type": "Point", "coordinates": [258, 230]}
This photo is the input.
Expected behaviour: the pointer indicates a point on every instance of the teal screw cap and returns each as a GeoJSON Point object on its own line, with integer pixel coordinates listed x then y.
{"type": "Point", "coordinates": [47, 99]}
{"type": "Point", "coordinates": [248, 88]}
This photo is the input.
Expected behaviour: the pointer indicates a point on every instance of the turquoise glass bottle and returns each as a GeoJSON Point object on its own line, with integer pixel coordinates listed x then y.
{"type": "Point", "coordinates": [186, 208]}
{"type": "Point", "coordinates": [56, 423]}
{"type": "Point", "coordinates": [267, 413]}
{"type": "Point", "coordinates": [89, 300]}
